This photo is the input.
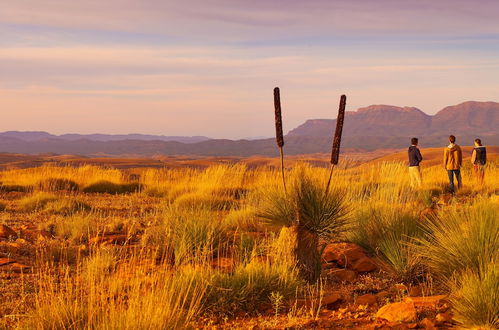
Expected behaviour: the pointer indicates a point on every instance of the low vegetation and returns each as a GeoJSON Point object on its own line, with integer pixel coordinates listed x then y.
{"type": "Point", "coordinates": [227, 246]}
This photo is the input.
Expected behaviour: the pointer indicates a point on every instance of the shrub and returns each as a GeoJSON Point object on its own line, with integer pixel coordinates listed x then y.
{"type": "Point", "coordinates": [475, 297]}
{"type": "Point", "coordinates": [108, 187]}
{"type": "Point", "coordinates": [389, 233]}
{"type": "Point", "coordinates": [464, 237]}
{"type": "Point", "coordinates": [57, 184]}
{"type": "Point", "coordinates": [3, 206]}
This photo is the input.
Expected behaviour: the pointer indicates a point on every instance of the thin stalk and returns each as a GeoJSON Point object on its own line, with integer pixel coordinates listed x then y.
{"type": "Point", "coordinates": [282, 171]}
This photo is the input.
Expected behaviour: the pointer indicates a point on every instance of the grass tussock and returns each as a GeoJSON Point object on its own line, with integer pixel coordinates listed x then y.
{"type": "Point", "coordinates": [57, 184]}
{"type": "Point", "coordinates": [201, 199]}
{"type": "Point", "coordinates": [389, 233]}
{"type": "Point", "coordinates": [464, 237]}
{"type": "Point", "coordinates": [3, 206]}
{"type": "Point", "coordinates": [108, 187]}
{"type": "Point", "coordinates": [475, 297]}
{"type": "Point", "coordinates": [53, 204]}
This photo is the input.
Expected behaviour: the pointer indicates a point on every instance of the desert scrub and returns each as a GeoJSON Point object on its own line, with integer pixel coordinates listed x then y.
{"type": "Point", "coordinates": [15, 188]}
{"type": "Point", "coordinates": [108, 187]}
{"type": "Point", "coordinates": [3, 206]}
{"type": "Point", "coordinates": [389, 232]}
{"type": "Point", "coordinates": [475, 297]}
{"type": "Point", "coordinates": [463, 237]}
{"type": "Point", "coordinates": [57, 184]}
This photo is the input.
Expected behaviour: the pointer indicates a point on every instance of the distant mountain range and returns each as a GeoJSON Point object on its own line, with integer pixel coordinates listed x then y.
{"type": "Point", "coordinates": [468, 118]}
{"type": "Point", "coordinates": [370, 128]}
{"type": "Point", "coordinates": [36, 136]}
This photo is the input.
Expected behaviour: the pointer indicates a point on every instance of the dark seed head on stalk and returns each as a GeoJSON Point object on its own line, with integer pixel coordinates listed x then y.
{"type": "Point", "coordinates": [278, 118]}
{"type": "Point", "coordinates": [335, 153]}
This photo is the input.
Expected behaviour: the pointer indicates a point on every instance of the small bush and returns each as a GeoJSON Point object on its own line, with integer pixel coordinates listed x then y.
{"type": "Point", "coordinates": [475, 298]}
{"type": "Point", "coordinates": [3, 206]}
{"type": "Point", "coordinates": [108, 187]}
{"type": "Point", "coordinates": [57, 184]}
{"type": "Point", "coordinates": [76, 228]}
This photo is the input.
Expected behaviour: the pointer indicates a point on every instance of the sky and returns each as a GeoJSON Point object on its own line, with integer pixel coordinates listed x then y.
{"type": "Point", "coordinates": [209, 67]}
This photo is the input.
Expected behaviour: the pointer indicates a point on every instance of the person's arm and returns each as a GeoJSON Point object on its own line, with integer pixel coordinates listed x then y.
{"type": "Point", "coordinates": [420, 158]}
{"type": "Point", "coordinates": [459, 157]}
{"type": "Point", "coordinates": [473, 156]}
{"type": "Point", "coordinates": [484, 156]}
{"type": "Point", "coordinates": [445, 157]}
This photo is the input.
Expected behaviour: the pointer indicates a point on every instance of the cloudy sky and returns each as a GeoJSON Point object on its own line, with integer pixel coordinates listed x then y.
{"type": "Point", "coordinates": [208, 67]}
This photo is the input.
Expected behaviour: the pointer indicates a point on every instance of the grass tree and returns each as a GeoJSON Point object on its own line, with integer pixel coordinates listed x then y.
{"type": "Point", "coordinates": [308, 214]}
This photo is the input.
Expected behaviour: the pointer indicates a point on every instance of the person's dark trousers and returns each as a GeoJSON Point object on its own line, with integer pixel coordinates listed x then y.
{"type": "Point", "coordinates": [451, 174]}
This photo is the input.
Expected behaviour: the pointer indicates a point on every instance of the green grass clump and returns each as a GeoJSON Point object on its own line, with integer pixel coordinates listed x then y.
{"type": "Point", "coordinates": [389, 233]}
{"type": "Point", "coordinates": [475, 298]}
{"type": "Point", "coordinates": [36, 201]}
{"type": "Point", "coordinates": [194, 233]}
{"type": "Point", "coordinates": [78, 228]}
{"type": "Point", "coordinates": [464, 237]}
{"type": "Point", "coordinates": [108, 187]}
{"type": "Point", "coordinates": [53, 204]}
{"type": "Point", "coordinates": [57, 184]}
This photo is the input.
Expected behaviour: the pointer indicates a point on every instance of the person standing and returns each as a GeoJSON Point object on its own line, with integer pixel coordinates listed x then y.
{"type": "Point", "coordinates": [479, 159]}
{"type": "Point", "coordinates": [414, 159]}
{"type": "Point", "coordinates": [453, 159]}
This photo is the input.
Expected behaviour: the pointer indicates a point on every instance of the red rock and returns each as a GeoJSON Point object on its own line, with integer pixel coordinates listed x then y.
{"type": "Point", "coordinates": [426, 302]}
{"type": "Point", "coordinates": [426, 323]}
{"type": "Point", "coordinates": [345, 254]}
{"type": "Point", "coordinates": [366, 299]}
{"type": "Point", "coordinates": [6, 261]}
{"type": "Point", "coordinates": [330, 299]}
{"type": "Point", "coordinates": [442, 318]}
{"type": "Point", "coordinates": [398, 312]}
{"type": "Point", "coordinates": [364, 265]}
{"type": "Point", "coordinates": [343, 275]}
{"type": "Point", "coordinates": [415, 291]}
{"type": "Point", "coordinates": [6, 232]}
{"type": "Point", "coordinates": [15, 267]}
